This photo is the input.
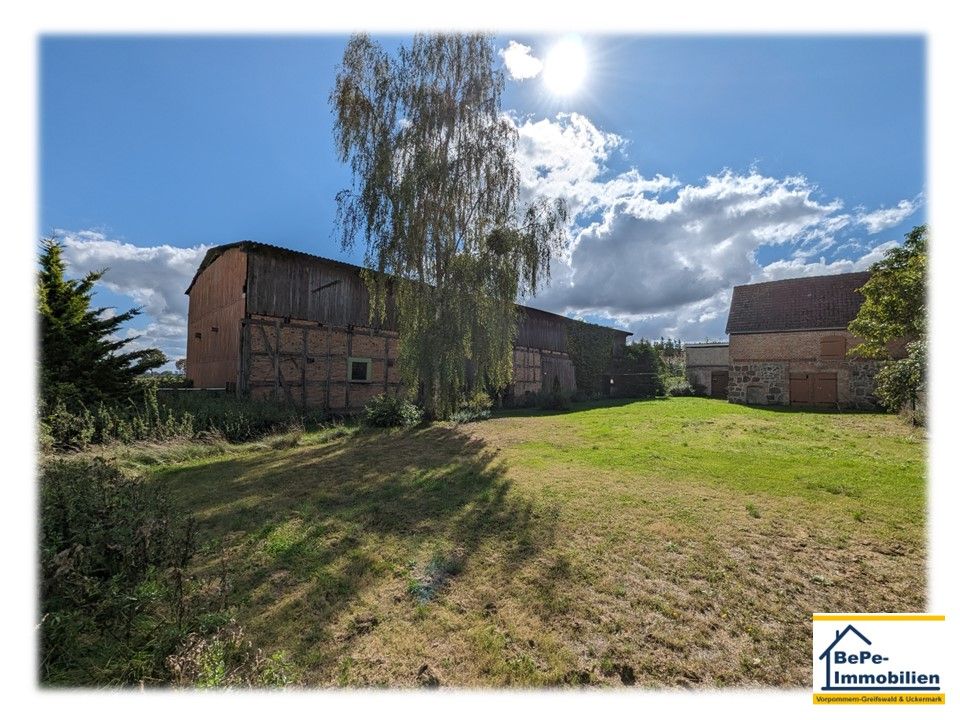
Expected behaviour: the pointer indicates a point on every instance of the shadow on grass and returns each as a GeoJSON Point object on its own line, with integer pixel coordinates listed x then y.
{"type": "Point", "coordinates": [306, 530]}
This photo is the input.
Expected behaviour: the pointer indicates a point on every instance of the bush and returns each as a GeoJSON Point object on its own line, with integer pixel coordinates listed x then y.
{"type": "Point", "coordinates": [556, 399]}
{"type": "Point", "coordinates": [68, 430]}
{"type": "Point", "coordinates": [112, 556]}
{"type": "Point", "coordinates": [899, 384]}
{"type": "Point", "coordinates": [474, 408]}
{"type": "Point", "coordinates": [679, 387]}
{"type": "Point", "coordinates": [391, 411]}
{"type": "Point", "coordinates": [227, 659]}
{"type": "Point", "coordinates": [117, 607]}
{"type": "Point", "coordinates": [163, 416]}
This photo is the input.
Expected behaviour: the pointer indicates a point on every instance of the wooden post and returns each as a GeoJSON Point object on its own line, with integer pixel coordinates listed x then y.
{"type": "Point", "coordinates": [243, 387]}
{"type": "Point", "coordinates": [326, 404]}
{"type": "Point", "coordinates": [386, 361]}
{"type": "Point", "coordinates": [303, 371]}
{"type": "Point", "coordinates": [276, 362]}
{"type": "Point", "coordinates": [346, 392]}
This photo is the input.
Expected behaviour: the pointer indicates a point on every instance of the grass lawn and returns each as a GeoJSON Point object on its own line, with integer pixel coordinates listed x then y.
{"type": "Point", "coordinates": [657, 543]}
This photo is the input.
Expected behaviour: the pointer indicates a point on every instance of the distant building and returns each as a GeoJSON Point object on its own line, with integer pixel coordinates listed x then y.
{"type": "Point", "coordinates": [276, 324]}
{"type": "Point", "coordinates": [789, 343]}
{"type": "Point", "coordinates": [708, 367]}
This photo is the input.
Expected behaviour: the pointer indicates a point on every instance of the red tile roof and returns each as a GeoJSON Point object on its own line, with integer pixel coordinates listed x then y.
{"type": "Point", "coordinates": [811, 303]}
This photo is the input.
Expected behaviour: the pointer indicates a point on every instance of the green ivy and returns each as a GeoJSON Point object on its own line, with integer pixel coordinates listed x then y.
{"type": "Point", "coordinates": [591, 348]}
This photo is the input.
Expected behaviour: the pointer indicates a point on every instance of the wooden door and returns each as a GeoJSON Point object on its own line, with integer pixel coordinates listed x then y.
{"type": "Point", "coordinates": [718, 383]}
{"type": "Point", "coordinates": [801, 389]}
{"type": "Point", "coordinates": [825, 388]}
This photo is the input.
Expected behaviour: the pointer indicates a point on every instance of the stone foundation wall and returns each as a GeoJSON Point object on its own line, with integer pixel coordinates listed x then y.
{"type": "Point", "coordinates": [862, 379]}
{"type": "Point", "coordinates": [759, 383]}
{"type": "Point", "coordinates": [701, 377]}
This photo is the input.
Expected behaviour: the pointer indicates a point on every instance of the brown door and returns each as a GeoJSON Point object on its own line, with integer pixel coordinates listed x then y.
{"type": "Point", "coordinates": [801, 389]}
{"type": "Point", "coordinates": [718, 383]}
{"type": "Point", "coordinates": [825, 388]}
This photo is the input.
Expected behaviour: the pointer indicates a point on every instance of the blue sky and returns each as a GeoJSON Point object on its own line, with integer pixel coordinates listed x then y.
{"type": "Point", "coordinates": [691, 163]}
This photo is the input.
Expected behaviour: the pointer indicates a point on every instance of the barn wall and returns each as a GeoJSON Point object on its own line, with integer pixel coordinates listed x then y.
{"type": "Point", "coordinates": [801, 345]}
{"type": "Point", "coordinates": [310, 369]}
{"type": "Point", "coordinates": [534, 371]}
{"type": "Point", "coordinates": [216, 301]}
{"type": "Point", "coordinates": [542, 330]}
{"type": "Point", "coordinates": [320, 309]}
{"type": "Point", "coordinates": [298, 287]}
{"type": "Point", "coordinates": [762, 364]}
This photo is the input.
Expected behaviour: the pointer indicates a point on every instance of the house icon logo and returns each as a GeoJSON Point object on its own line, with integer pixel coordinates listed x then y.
{"type": "Point", "coordinates": [854, 634]}
{"type": "Point", "coordinates": [878, 658]}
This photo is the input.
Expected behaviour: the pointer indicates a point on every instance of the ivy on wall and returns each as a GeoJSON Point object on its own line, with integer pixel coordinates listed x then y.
{"type": "Point", "coordinates": [591, 348]}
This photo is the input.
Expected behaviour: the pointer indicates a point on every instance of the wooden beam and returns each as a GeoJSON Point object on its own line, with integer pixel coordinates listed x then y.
{"type": "Point", "coordinates": [303, 372]}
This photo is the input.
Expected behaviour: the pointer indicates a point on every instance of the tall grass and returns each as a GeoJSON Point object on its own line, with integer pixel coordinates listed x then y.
{"type": "Point", "coordinates": [169, 415]}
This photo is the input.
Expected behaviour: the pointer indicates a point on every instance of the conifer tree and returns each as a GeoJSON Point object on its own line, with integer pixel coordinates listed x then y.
{"type": "Point", "coordinates": [80, 355]}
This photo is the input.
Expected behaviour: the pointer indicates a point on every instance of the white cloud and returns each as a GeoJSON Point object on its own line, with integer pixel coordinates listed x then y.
{"type": "Point", "coordinates": [520, 61]}
{"type": "Point", "coordinates": [567, 157]}
{"type": "Point", "coordinates": [154, 278]}
{"type": "Point", "coordinates": [884, 218]}
{"type": "Point", "coordinates": [649, 254]}
{"type": "Point", "coordinates": [659, 257]}
{"type": "Point", "coordinates": [801, 267]}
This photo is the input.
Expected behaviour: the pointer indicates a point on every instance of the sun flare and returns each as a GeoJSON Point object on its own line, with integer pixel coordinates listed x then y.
{"type": "Point", "coordinates": [565, 66]}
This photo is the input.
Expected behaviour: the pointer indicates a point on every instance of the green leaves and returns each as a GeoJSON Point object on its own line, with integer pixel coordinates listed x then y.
{"type": "Point", "coordinates": [895, 310]}
{"type": "Point", "coordinates": [894, 306]}
{"type": "Point", "coordinates": [436, 200]}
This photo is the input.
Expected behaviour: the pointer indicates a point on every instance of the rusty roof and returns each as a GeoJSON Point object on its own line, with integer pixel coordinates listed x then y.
{"type": "Point", "coordinates": [824, 302]}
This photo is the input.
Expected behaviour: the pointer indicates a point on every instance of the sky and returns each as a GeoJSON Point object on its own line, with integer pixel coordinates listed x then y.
{"type": "Point", "coordinates": [690, 164]}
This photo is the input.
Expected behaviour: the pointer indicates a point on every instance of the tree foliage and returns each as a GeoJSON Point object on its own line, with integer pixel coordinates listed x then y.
{"type": "Point", "coordinates": [80, 356]}
{"type": "Point", "coordinates": [436, 200]}
{"type": "Point", "coordinates": [899, 384]}
{"type": "Point", "coordinates": [895, 298]}
{"type": "Point", "coordinates": [895, 310]}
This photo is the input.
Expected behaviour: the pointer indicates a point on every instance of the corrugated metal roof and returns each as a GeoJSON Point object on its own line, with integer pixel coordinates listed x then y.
{"type": "Point", "coordinates": [249, 245]}
{"type": "Point", "coordinates": [824, 302]}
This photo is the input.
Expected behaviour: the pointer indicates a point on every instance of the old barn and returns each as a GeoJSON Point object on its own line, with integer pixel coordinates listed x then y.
{"type": "Point", "coordinates": [276, 324]}
{"type": "Point", "coordinates": [789, 343]}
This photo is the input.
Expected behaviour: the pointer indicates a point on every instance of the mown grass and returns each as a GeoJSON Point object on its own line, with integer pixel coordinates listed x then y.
{"type": "Point", "coordinates": [658, 543]}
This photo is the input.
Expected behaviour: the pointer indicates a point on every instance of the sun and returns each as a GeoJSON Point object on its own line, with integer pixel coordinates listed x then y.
{"type": "Point", "coordinates": [565, 66]}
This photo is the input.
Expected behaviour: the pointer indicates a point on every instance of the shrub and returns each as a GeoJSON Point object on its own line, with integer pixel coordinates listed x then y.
{"type": "Point", "coordinates": [164, 416]}
{"type": "Point", "coordinates": [900, 383]}
{"type": "Point", "coordinates": [117, 606]}
{"type": "Point", "coordinates": [391, 411]}
{"type": "Point", "coordinates": [69, 430]}
{"type": "Point", "coordinates": [556, 399]}
{"type": "Point", "coordinates": [474, 408]}
{"type": "Point", "coordinates": [679, 387]}
{"type": "Point", "coordinates": [112, 556]}
{"type": "Point", "coordinates": [227, 659]}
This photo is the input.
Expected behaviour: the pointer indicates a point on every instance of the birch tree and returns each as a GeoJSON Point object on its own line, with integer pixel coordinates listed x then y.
{"type": "Point", "coordinates": [435, 200]}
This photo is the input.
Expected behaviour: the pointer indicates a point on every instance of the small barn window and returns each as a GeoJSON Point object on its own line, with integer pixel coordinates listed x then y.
{"type": "Point", "coordinates": [197, 335]}
{"type": "Point", "coordinates": [360, 369]}
{"type": "Point", "coordinates": [833, 347]}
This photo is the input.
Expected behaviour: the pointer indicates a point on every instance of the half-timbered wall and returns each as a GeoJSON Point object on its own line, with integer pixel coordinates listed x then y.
{"type": "Point", "coordinates": [287, 324]}
{"type": "Point", "coordinates": [306, 364]}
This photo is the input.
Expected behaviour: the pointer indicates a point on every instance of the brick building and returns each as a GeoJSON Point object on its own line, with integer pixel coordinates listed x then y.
{"type": "Point", "coordinates": [789, 343]}
{"type": "Point", "coordinates": [276, 324]}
